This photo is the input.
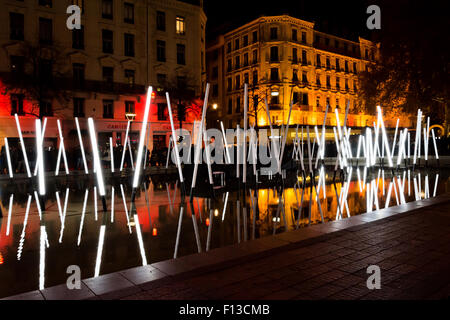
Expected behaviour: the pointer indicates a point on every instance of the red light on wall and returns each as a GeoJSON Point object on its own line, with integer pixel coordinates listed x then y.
{"type": "Point", "coordinates": [155, 232]}
{"type": "Point", "coordinates": [153, 95]}
{"type": "Point", "coordinates": [207, 222]}
{"type": "Point", "coordinates": [1, 258]}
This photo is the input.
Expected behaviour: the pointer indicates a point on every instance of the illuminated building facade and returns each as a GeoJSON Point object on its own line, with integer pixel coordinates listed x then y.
{"type": "Point", "coordinates": [284, 59]}
{"type": "Point", "coordinates": [102, 70]}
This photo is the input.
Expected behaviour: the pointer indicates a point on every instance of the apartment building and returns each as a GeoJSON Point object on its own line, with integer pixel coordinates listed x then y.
{"type": "Point", "coordinates": [101, 70]}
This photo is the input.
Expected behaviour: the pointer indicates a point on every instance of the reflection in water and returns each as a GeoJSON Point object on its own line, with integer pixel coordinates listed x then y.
{"type": "Point", "coordinates": [38, 242]}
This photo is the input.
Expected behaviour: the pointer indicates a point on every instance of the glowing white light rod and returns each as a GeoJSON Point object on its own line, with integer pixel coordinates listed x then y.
{"type": "Point", "coordinates": [8, 158]}
{"type": "Point", "coordinates": [168, 152]}
{"type": "Point", "coordinates": [177, 240]}
{"type": "Point", "coordinates": [125, 146]}
{"type": "Point", "coordinates": [38, 205]}
{"type": "Point", "coordinates": [83, 154]}
{"type": "Point", "coordinates": [112, 204]}
{"type": "Point", "coordinates": [43, 237]}
{"type": "Point", "coordinates": [40, 157]}
{"type": "Point", "coordinates": [427, 137]}
{"type": "Point", "coordinates": [36, 167]}
{"type": "Point", "coordinates": [434, 191]}
{"type": "Point", "coordinates": [25, 157]}
{"type": "Point", "coordinates": [434, 143]}
{"type": "Point", "coordinates": [175, 139]}
{"type": "Point", "coordinates": [227, 152]}
{"type": "Point", "coordinates": [11, 201]}
{"type": "Point", "coordinates": [142, 138]}
{"type": "Point", "coordinates": [98, 260]}
{"type": "Point", "coordinates": [62, 151]}
{"type": "Point", "coordinates": [238, 150]}
{"type": "Point", "coordinates": [274, 144]}
{"type": "Point", "coordinates": [93, 135]}
{"type": "Point", "coordinates": [83, 213]}
{"type": "Point", "coordinates": [199, 139]}
{"type": "Point", "coordinates": [125, 207]}
{"type": "Point", "coordinates": [244, 165]}
{"type": "Point", "coordinates": [112, 153]}
{"type": "Point", "coordinates": [417, 138]}
{"type": "Point", "coordinates": [285, 137]}
{"type": "Point", "coordinates": [95, 204]}
{"type": "Point", "coordinates": [385, 139]}
{"type": "Point", "coordinates": [395, 137]}
{"type": "Point", "coordinates": [140, 241]}
{"type": "Point", "coordinates": [225, 206]}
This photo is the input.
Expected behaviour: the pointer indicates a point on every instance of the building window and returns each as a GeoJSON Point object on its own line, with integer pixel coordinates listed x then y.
{"type": "Point", "coordinates": [228, 47]}
{"type": "Point", "coordinates": [128, 13]}
{"type": "Point", "coordinates": [318, 101]}
{"type": "Point", "coordinates": [78, 38]}
{"type": "Point", "coordinates": [45, 70]}
{"type": "Point", "coordinates": [180, 25]}
{"type": "Point", "coordinates": [303, 37]}
{"type": "Point", "coordinates": [294, 75]}
{"type": "Point", "coordinates": [273, 33]}
{"type": "Point", "coordinates": [275, 99]}
{"type": "Point", "coordinates": [246, 78]}
{"type": "Point", "coordinates": [130, 77]}
{"type": "Point", "coordinates": [129, 44]}
{"type": "Point", "coordinates": [78, 107]}
{"type": "Point", "coordinates": [162, 112]}
{"type": "Point", "coordinates": [328, 63]}
{"type": "Point", "coordinates": [161, 78]}
{"type": "Point", "coordinates": [328, 82]}
{"type": "Point", "coordinates": [245, 41]}
{"type": "Point", "coordinates": [215, 90]}
{"type": "Point", "coordinates": [108, 74]}
{"type": "Point", "coordinates": [129, 107]}
{"type": "Point", "coordinates": [238, 82]}
{"type": "Point", "coordinates": [255, 36]}
{"type": "Point", "coordinates": [78, 75]}
{"type": "Point", "coordinates": [338, 83]}
{"type": "Point", "coordinates": [336, 43]}
{"type": "Point", "coordinates": [274, 76]}
{"type": "Point", "coordinates": [45, 109]}
{"type": "Point", "coordinates": [305, 99]}
{"type": "Point", "coordinates": [160, 21]}
{"type": "Point", "coordinates": [16, 26]}
{"type": "Point", "coordinates": [107, 40]}
{"type": "Point", "coordinates": [338, 66]}
{"type": "Point", "coordinates": [45, 3]}
{"type": "Point", "coordinates": [346, 66]}
{"type": "Point", "coordinates": [238, 105]}
{"type": "Point", "coordinates": [230, 106]}
{"type": "Point", "coordinates": [45, 31]}
{"type": "Point", "coordinates": [304, 77]}
{"type": "Point", "coordinates": [160, 51]}
{"type": "Point", "coordinates": [229, 85]}
{"type": "Point", "coordinates": [255, 56]}
{"type": "Point", "coordinates": [274, 54]}
{"type": "Point", "coordinates": [318, 80]}
{"type": "Point", "coordinates": [304, 60]}
{"type": "Point", "coordinates": [237, 63]}
{"type": "Point", "coordinates": [215, 73]}
{"type": "Point", "coordinates": [295, 97]}
{"type": "Point", "coordinates": [294, 55]}
{"type": "Point", "coordinates": [108, 109]}
{"type": "Point", "coordinates": [181, 54]}
{"type": "Point", "coordinates": [346, 84]}
{"type": "Point", "coordinates": [255, 77]}
{"type": "Point", "coordinates": [236, 44]}
{"type": "Point", "coordinates": [229, 65]}
{"type": "Point", "coordinates": [318, 64]}
{"type": "Point", "coordinates": [107, 9]}
{"type": "Point", "coordinates": [17, 66]}
{"type": "Point", "coordinates": [17, 104]}
{"type": "Point", "coordinates": [245, 59]}
{"type": "Point", "coordinates": [294, 34]}
{"type": "Point", "coordinates": [355, 70]}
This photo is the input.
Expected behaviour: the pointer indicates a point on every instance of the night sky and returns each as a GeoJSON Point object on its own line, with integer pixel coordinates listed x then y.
{"type": "Point", "coordinates": [342, 18]}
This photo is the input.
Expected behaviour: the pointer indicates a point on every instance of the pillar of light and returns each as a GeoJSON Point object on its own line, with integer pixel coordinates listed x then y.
{"type": "Point", "coordinates": [125, 207]}
{"type": "Point", "coordinates": [40, 157]}
{"type": "Point", "coordinates": [62, 150]}
{"type": "Point", "coordinates": [42, 136]}
{"type": "Point", "coordinates": [434, 143]}
{"type": "Point", "coordinates": [92, 133]}
{"type": "Point", "coordinates": [112, 204]}
{"type": "Point", "coordinates": [25, 157]}
{"type": "Point", "coordinates": [112, 153]}
{"type": "Point", "coordinates": [225, 206]}
{"type": "Point", "coordinates": [227, 152]}
{"type": "Point", "coordinates": [435, 185]}
{"type": "Point", "coordinates": [81, 146]}
{"type": "Point", "coordinates": [42, 241]}
{"type": "Point", "coordinates": [38, 204]}
{"type": "Point", "coordinates": [177, 239]}
{"type": "Point", "coordinates": [385, 139]}
{"type": "Point", "coordinates": [175, 139]}
{"type": "Point", "coordinates": [131, 153]}
{"type": "Point", "coordinates": [98, 260]}
{"type": "Point", "coordinates": [95, 204]}
{"type": "Point", "coordinates": [388, 197]}
{"type": "Point", "coordinates": [395, 137]}
{"type": "Point", "coordinates": [142, 139]}
{"type": "Point", "coordinates": [11, 201]}
{"type": "Point", "coordinates": [417, 138]}
{"type": "Point", "coordinates": [8, 158]}
{"type": "Point", "coordinates": [140, 241]}
{"type": "Point", "coordinates": [125, 145]}
{"type": "Point", "coordinates": [244, 164]}
{"type": "Point", "coordinates": [83, 213]}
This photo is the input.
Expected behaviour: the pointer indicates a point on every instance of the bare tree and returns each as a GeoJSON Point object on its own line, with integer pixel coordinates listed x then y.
{"type": "Point", "coordinates": [42, 78]}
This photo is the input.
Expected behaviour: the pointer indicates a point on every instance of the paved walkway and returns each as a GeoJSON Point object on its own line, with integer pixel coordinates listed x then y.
{"type": "Point", "coordinates": [412, 249]}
